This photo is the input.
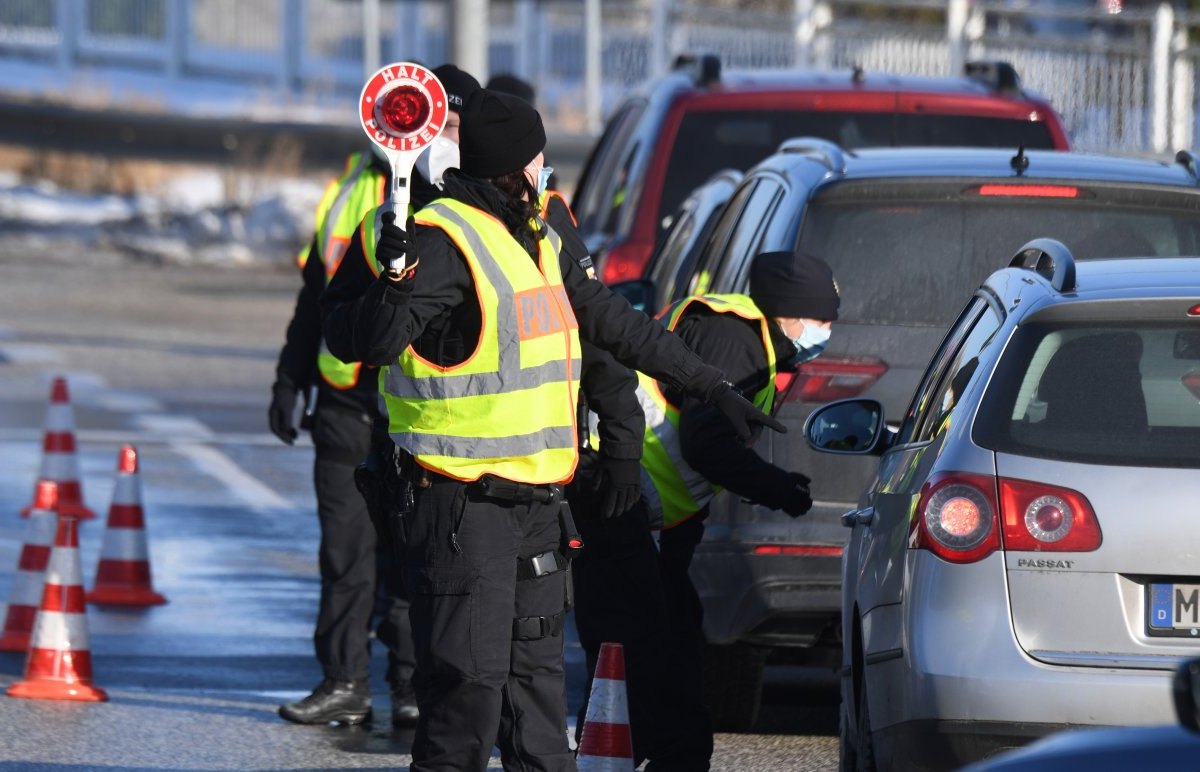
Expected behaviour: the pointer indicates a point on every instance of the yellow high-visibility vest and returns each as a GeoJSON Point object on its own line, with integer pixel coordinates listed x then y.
{"type": "Point", "coordinates": [509, 408]}
{"type": "Point", "coordinates": [361, 187]}
{"type": "Point", "coordinates": [544, 204]}
{"type": "Point", "coordinates": [677, 490]}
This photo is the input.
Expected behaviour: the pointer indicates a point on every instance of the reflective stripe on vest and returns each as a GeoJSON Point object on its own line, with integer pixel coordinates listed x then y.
{"type": "Point", "coordinates": [678, 490]}
{"type": "Point", "coordinates": [509, 408]}
{"type": "Point", "coordinates": [360, 188]}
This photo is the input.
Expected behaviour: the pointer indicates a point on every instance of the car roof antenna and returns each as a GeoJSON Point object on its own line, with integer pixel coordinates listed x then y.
{"type": "Point", "coordinates": [1020, 161]}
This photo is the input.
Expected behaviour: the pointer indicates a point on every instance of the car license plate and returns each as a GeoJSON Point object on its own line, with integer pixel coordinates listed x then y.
{"type": "Point", "coordinates": [1174, 609]}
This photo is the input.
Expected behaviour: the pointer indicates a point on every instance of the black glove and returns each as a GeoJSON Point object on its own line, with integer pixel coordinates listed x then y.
{"type": "Point", "coordinates": [741, 413]}
{"type": "Point", "coordinates": [396, 246]}
{"type": "Point", "coordinates": [281, 414]}
{"type": "Point", "coordinates": [798, 500]}
{"type": "Point", "coordinates": [621, 482]}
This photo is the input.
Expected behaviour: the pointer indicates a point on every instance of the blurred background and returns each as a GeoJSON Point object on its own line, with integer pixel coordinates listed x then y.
{"type": "Point", "coordinates": [204, 130]}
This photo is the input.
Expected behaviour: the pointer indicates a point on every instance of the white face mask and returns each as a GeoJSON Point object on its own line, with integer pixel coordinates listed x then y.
{"type": "Point", "coordinates": [810, 343]}
{"type": "Point", "coordinates": [538, 179]}
{"type": "Point", "coordinates": [442, 154]}
{"type": "Point", "coordinates": [544, 180]}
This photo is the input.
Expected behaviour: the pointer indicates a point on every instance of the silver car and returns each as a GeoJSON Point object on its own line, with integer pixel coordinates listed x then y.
{"type": "Point", "coordinates": [1027, 557]}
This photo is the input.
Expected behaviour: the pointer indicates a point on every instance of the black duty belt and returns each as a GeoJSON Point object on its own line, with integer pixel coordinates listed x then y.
{"type": "Point", "coordinates": [506, 490]}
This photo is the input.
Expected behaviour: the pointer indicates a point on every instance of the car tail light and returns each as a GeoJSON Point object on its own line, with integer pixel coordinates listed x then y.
{"type": "Point", "coordinates": [817, 550]}
{"type": "Point", "coordinates": [404, 109]}
{"type": "Point", "coordinates": [1194, 310]}
{"type": "Point", "coordinates": [1191, 382]}
{"type": "Point", "coordinates": [1046, 518]}
{"type": "Point", "coordinates": [956, 517]}
{"type": "Point", "coordinates": [624, 263]}
{"type": "Point", "coordinates": [830, 378]}
{"type": "Point", "coordinates": [1031, 191]}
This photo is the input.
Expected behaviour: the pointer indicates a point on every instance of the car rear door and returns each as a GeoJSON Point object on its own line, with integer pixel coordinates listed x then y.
{"type": "Point", "coordinates": [935, 408]}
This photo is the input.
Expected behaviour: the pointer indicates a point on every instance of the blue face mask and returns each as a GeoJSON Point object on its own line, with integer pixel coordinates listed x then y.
{"type": "Point", "coordinates": [544, 179]}
{"type": "Point", "coordinates": [809, 345]}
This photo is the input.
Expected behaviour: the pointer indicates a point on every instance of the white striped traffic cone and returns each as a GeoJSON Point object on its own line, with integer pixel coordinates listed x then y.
{"type": "Point", "coordinates": [26, 593]}
{"type": "Point", "coordinates": [123, 576]}
{"type": "Point", "coordinates": [59, 463]}
{"type": "Point", "coordinates": [59, 664]}
{"type": "Point", "coordinates": [606, 745]}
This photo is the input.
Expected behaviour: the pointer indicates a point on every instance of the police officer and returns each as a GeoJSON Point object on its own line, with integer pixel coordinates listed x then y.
{"type": "Point", "coordinates": [345, 406]}
{"type": "Point", "coordinates": [611, 477]}
{"type": "Point", "coordinates": [630, 593]}
{"type": "Point", "coordinates": [479, 332]}
{"type": "Point", "coordinates": [507, 83]}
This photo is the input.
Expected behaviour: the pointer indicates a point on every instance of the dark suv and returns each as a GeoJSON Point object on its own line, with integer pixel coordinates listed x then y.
{"type": "Point", "coordinates": [907, 232]}
{"type": "Point", "coordinates": [676, 132]}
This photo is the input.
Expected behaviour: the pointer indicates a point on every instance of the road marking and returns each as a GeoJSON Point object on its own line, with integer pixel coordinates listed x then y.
{"type": "Point", "coordinates": [28, 353]}
{"type": "Point", "coordinates": [120, 436]}
{"type": "Point", "coordinates": [178, 427]}
{"type": "Point", "coordinates": [222, 467]}
{"type": "Point", "coordinates": [128, 402]}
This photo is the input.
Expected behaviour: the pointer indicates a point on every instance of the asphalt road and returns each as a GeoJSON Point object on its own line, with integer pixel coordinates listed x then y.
{"type": "Point", "coordinates": [179, 361]}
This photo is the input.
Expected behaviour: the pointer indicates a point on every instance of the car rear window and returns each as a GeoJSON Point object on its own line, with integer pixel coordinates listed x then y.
{"type": "Point", "coordinates": [902, 251]}
{"type": "Point", "coordinates": [710, 140]}
{"type": "Point", "coordinates": [1123, 394]}
{"type": "Point", "coordinates": [970, 131]}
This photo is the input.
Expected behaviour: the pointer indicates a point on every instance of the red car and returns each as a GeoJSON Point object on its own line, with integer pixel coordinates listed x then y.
{"type": "Point", "coordinates": [673, 134]}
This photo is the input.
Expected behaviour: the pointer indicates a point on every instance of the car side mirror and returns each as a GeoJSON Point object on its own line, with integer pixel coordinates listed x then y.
{"type": "Point", "coordinates": [849, 426]}
{"type": "Point", "coordinates": [639, 292]}
{"type": "Point", "coordinates": [1186, 688]}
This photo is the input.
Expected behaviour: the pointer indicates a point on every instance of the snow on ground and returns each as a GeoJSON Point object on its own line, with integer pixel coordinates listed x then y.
{"type": "Point", "coordinates": [189, 221]}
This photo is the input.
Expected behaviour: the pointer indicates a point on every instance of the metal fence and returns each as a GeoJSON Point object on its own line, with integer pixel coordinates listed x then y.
{"type": "Point", "coordinates": [1122, 82]}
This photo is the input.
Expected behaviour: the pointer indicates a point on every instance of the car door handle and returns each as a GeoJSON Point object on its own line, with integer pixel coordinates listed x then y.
{"type": "Point", "coordinates": [858, 517]}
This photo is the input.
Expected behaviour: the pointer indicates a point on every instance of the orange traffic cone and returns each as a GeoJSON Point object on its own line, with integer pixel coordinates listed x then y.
{"type": "Point", "coordinates": [59, 463]}
{"type": "Point", "coordinates": [59, 664]}
{"type": "Point", "coordinates": [123, 576]}
{"type": "Point", "coordinates": [606, 745]}
{"type": "Point", "coordinates": [26, 592]}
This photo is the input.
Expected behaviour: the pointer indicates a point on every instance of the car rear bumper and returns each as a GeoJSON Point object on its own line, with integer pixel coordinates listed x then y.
{"type": "Point", "coordinates": [766, 600]}
{"type": "Point", "coordinates": [957, 661]}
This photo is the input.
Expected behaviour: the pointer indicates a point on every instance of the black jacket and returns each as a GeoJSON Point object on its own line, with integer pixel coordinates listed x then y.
{"type": "Point", "coordinates": [609, 389]}
{"type": "Point", "coordinates": [436, 313]}
{"type": "Point", "coordinates": [298, 358]}
{"type": "Point", "coordinates": [707, 439]}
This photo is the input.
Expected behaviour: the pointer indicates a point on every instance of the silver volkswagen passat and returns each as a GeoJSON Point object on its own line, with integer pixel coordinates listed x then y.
{"type": "Point", "coordinates": [1027, 558]}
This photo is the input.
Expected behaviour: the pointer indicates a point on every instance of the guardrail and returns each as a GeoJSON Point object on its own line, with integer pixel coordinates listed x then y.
{"type": "Point", "coordinates": [1123, 82]}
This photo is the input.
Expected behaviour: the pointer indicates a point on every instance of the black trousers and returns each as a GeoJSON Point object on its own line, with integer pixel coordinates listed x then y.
{"type": "Point", "coordinates": [630, 592]}
{"type": "Point", "coordinates": [357, 578]}
{"type": "Point", "coordinates": [476, 686]}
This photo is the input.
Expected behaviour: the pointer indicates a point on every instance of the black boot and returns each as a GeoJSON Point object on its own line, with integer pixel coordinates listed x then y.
{"type": "Point", "coordinates": [344, 702]}
{"type": "Point", "coordinates": [404, 705]}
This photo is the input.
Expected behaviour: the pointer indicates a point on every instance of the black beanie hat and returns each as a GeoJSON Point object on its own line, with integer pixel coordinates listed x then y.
{"type": "Point", "coordinates": [500, 134]}
{"type": "Point", "coordinates": [459, 85]}
{"type": "Point", "coordinates": [795, 286]}
{"type": "Point", "coordinates": [511, 84]}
